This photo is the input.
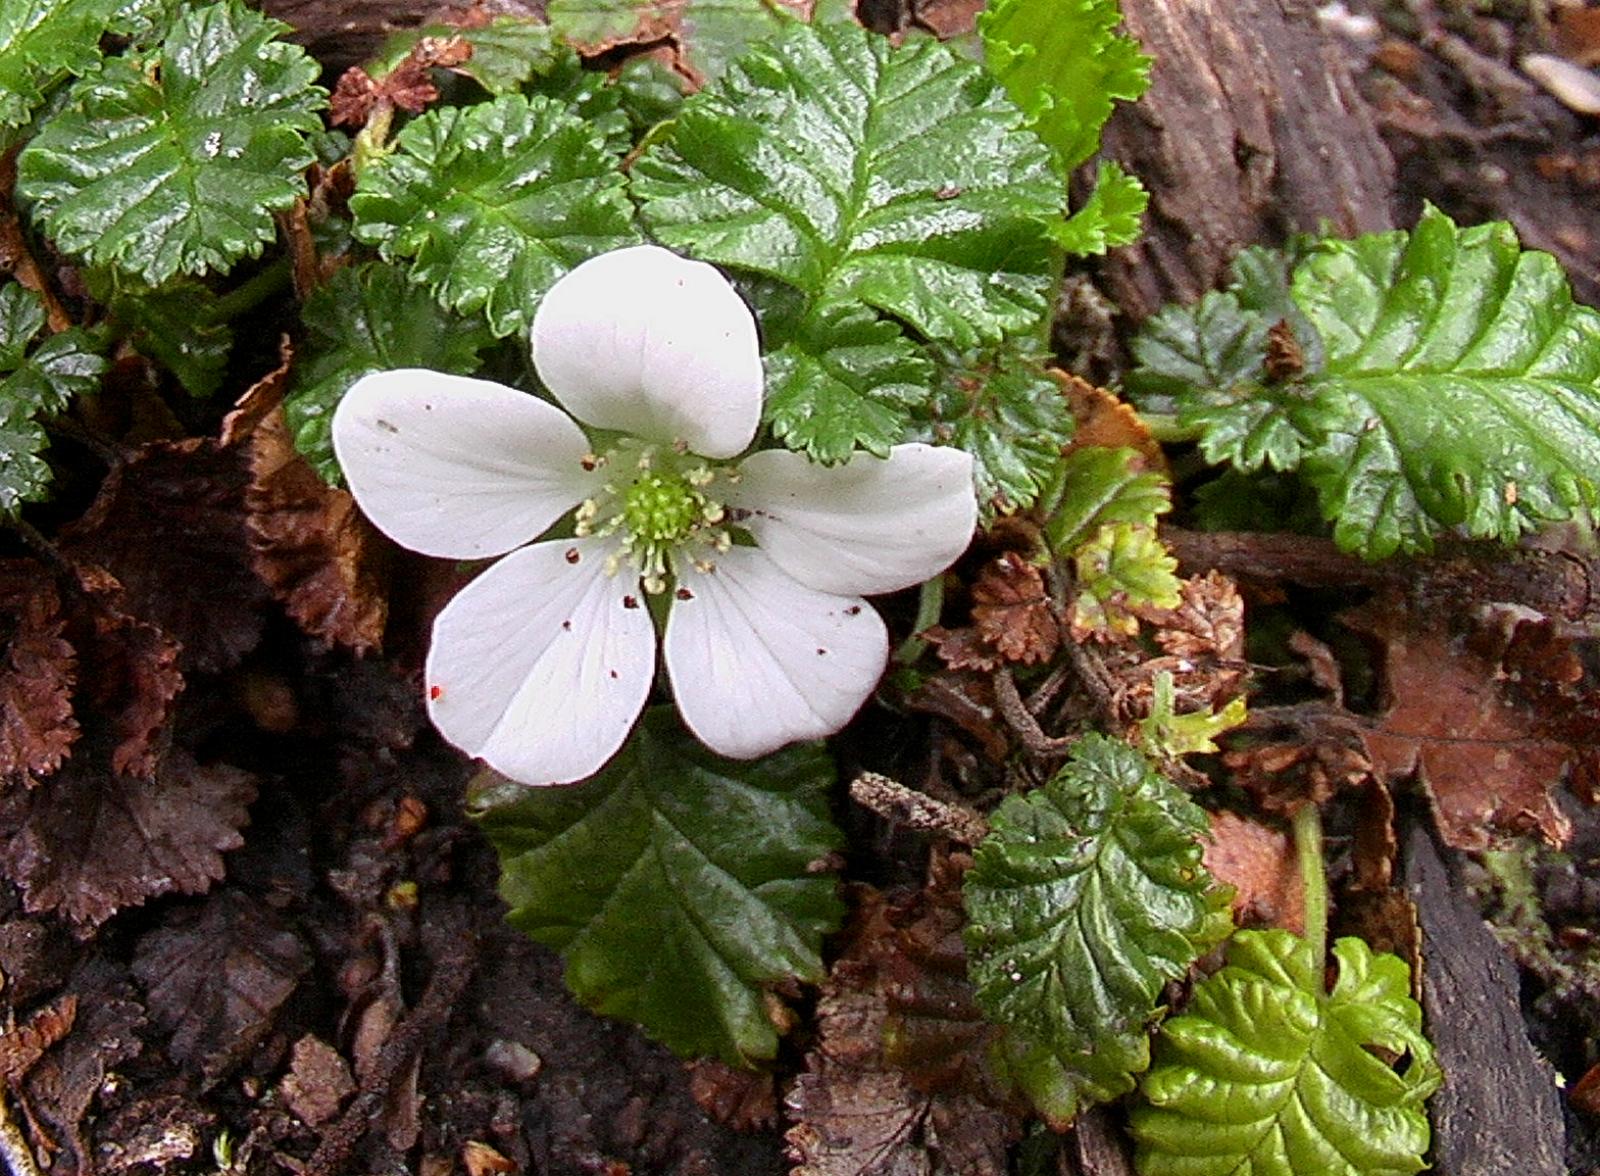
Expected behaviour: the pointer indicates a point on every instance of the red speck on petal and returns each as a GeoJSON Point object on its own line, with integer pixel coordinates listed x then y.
{"type": "Point", "coordinates": [684, 594]}
{"type": "Point", "coordinates": [852, 610]}
{"type": "Point", "coordinates": [572, 555]}
{"type": "Point", "coordinates": [434, 692]}
{"type": "Point", "coordinates": [630, 602]}
{"type": "Point", "coordinates": [613, 673]}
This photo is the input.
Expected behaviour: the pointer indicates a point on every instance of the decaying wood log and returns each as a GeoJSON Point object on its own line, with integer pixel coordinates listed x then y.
{"type": "Point", "coordinates": [1252, 129]}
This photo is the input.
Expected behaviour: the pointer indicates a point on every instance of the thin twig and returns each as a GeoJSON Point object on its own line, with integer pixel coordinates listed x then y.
{"type": "Point", "coordinates": [14, 1148]}
{"type": "Point", "coordinates": [910, 809]}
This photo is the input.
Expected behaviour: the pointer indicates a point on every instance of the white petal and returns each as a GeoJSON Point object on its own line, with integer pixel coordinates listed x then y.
{"type": "Point", "coordinates": [870, 525]}
{"type": "Point", "coordinates": [541, 665]}
{"type": "Point", "coordinates": [758, 661]}
{"type": "Point", "coordinates": [649, 343]}
{"type": "Point", "coordinates": [455, 467]}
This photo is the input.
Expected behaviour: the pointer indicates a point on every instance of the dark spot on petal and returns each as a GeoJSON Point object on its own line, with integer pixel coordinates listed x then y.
{"type": "Point", "coordinates": [435, 691]}
{"type": "Point", "coordinates": [613, 673]}
{"type": "Point", "coordinates": [853, 610]}
{"type": "Point", "coordinates": [630, 602]}
{"type": "Point", "coordinates": [385, 425]}
{"type": "Point", "coordinates": [427, 408]}
{"type": "Point", "coordinates": [572, 555]}
{"type": "Point", "coordinates": [567, 625]}
{"type": "Point", "coordinates": [684, 594]}
{"type": "Point", "coordinates": [590, 463]}
{"type": "Point", "coordinates": [821, 652]}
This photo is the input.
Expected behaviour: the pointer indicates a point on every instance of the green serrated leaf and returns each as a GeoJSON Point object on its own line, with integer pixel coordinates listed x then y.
{"type": "Point", "coordinates": [1012, 418]}
{"type": "Point", "coordinates": [1064, 63]}
{"type": "Point", "coordinates": [1459, 388]}
{"type": "Point", "coordinates": [41, 43]}
{"type": "Point", "coordinates": [1199, 354]}
{"type": "Point", "coordinates": [651, 91]}
{"type": "Point", "coordinates": [1085, 899]}
{"type": "Point", "coordinates": [1097, 486]}
{"type": "Point", "coordinates": [677, 885]}
{"type": "Point", "coordinates": [1109, 218]}
{"type": "Point", "coordinates": [174, 324]}
{"type": "Point", "coordinates": [369, 318]}
{"type": "Point", "coordinates": [591, 96]}
{"type": "Point", "coordinates": [1268, 1074]}
{"type": "Point", "coordinates": [848, 382]}
{"type": "Point", "coordinates": [35, 379]}
{"type": "Point", "coordinates": [493, 203]}
{"type": "Point", "coordinates": [1123, 566]}
{"type": "Point", "coordinates": [858, 171]}
{"type": "Point", "coordinates": [506, 52]}
{"type": "Point", "coordinates": [174, 160]}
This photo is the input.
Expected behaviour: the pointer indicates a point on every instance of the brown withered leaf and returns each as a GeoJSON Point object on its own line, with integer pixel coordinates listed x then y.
{"type": "Point", "coordinates": [85, 844]}
{"type": "Point", "coordinates": [153, 1134]}
{"type": "Point", "coordinates": [215, 977]}
{"type": "Point", "coordinates": [1107, 422]}
{"type": "Point", "coordinates": [1483, 758]}
{"type": "Point", "coordinates": [947, 18]}
{"type": "Point", "coordinates": [318, 1082]}
{"type": "Point", "coordinates": [1011, 610]}
{"type": "Point", "coordinates": [1259, 863]}
{"type": "Point", "coordinates": [691, 39]}
{"type": "Point", "coordinates": [1306, 754]}
{"type": "Point", "coordinates": [318, 553]}
{"type": "Point", "coordinates": [1203, 640]}
{"type": "Point", "coordinates": [1012, 619]}
{"type": "Point", "coordinates": [408, 86]}
{"type": "Point", "coordinates": [858, 1113]}
{"type": "Point", "coordinates": [745, 1100]}
{"type": "Point", "coordinates": [37, 672]}
{"type": "Point", "coordinates": [24, 1044]}
{"type": "Point", "coordinates": [169, 525]}
{"type": "Point", "coordinates": [63, 1085]}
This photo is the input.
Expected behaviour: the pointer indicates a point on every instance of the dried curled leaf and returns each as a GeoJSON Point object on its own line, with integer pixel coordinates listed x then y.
{"type": "Point", "coordinates": [37, 673]}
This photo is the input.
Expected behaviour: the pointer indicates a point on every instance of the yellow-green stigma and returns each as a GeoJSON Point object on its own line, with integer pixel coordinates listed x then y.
{"type": "Point", "coordinates": [658, 504]}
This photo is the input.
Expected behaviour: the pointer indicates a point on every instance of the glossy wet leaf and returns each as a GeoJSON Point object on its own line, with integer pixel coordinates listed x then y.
{"type": "Point", "coordinates": [39, 375]}
{"type": "Point", "coordinates": [678, 886]}
{"type": "Point", "coordinates": [848, 382]}
{"type": "Point", "coordinates": [369, 318]}
{"type": "Point", "coordinates": [490, 204]}
{"type": "Point", "coordinates": [174, 159]}
{"type": "Point", "coordinates": [1459, 388]}
{"type": "Point", "coordinates": [1269, 1074]}
{"type": "Point", "coordinates": [1121, 568]}
{"type": "Point", "coordinates": [1097, 486]}
{"type": "Point", "coordinates": [859, 171]}
{"type": "Point", "coordinates": [1012, 417]}
{"type": "Point", "coordinates": [1086, 898]}
{"type": "Point", "coordinates": [506, 52]}
{"type": "Point", "coordinates": [1111, 216]}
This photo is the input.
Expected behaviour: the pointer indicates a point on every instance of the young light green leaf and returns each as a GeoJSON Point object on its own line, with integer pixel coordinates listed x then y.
{"type": "Point", "coordinates": [849, 381]}
{"type": "Point", "coordinates": [506, 52]}
{"type": "Point", "coordinates": [493, 203]}
{"type": "Point", "coordinates": [1085, 899]}
{"type": "Point", "coordinates": [858, 171]}
{"type": "Point", "coordinates": [1064, 63]}
{"type": "Point", "coordinates": [174, 160]}
{"type": "Point", "coordinates": [678, 886]}
{"type": "Point", "coordinates": [369, 318]}
{"type": "Point", "coordinates": [1269, 1074]}
{"type": "Point", "coordinates": [1123, 566]}
{"type": "Point", "coordinates": [35, 380]}
{"type": "Point", "coordinates": [1096, 486]}
{"type": "Point", "coordinates": [1167, 735]}
{"type": "Point", "coordinates": [1011, 416]}
{"type": "Point", "coordinates": [1109, 218]}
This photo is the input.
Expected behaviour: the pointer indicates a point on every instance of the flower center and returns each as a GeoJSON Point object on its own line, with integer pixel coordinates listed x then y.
{"type": "Point", "coordinates": [662, 509]}
{"type": "Point", "coordinates": [657, 501]}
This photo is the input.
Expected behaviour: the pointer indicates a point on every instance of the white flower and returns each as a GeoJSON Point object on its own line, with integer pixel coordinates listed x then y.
{"type": "Point", "coordinates": [541, 665]}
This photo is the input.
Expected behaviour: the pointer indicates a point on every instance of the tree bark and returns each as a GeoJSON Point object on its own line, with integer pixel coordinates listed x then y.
{"type": "Point", "coordinates": [1252, 129]}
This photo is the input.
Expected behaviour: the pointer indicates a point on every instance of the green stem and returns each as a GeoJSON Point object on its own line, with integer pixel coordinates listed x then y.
{"type": "Point", "coordinates": [1164, 426]}
{"type": "Point", "coordinates": [249, 294]}
{"type": "Point", "coordinates": [930, 603]}
{"type": "Point", "coordinates": [1313, 877]}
